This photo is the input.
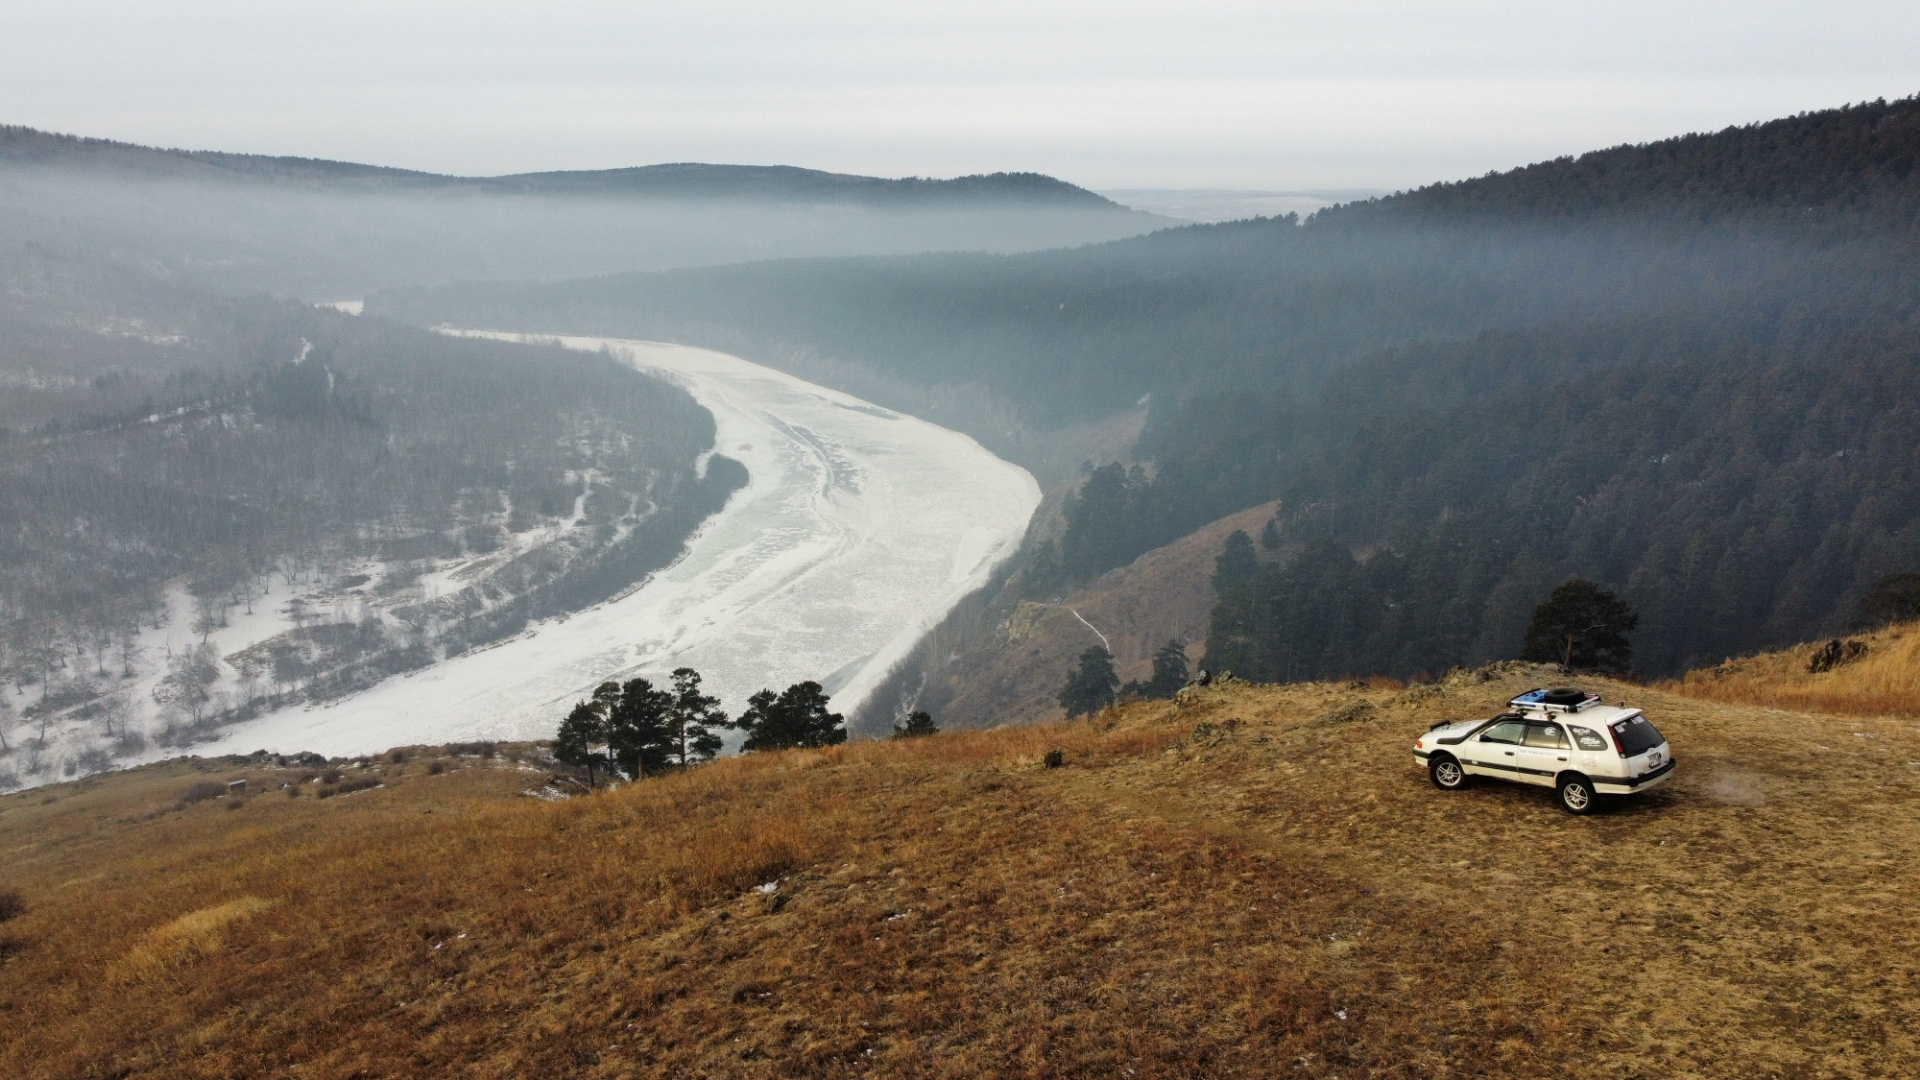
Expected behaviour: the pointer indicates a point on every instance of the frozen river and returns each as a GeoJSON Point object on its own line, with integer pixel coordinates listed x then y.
{"type": "Point", "coordinates": [859, 529]}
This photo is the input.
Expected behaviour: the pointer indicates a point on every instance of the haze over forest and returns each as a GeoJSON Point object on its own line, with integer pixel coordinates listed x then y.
{"type": "Point", "coordinates": [947, 540]}
{"type": "Point", "coordinates": [1684, 369]}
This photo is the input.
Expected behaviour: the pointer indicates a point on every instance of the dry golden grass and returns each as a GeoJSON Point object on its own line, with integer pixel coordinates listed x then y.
{"type": "Point", "coordinates": [1885, 682]}
{"type": "Point", "coordinates": [1257, 884]}
{"type": "Point", "coordinates": [187, 938]}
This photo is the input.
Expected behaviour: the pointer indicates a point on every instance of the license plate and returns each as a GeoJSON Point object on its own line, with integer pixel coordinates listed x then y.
{"type": "Point", "coordinates": [1653, 761]}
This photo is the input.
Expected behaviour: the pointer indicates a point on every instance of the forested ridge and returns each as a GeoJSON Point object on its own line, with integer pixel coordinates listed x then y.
{"type": "Point", "coordinates": [1686, 369]}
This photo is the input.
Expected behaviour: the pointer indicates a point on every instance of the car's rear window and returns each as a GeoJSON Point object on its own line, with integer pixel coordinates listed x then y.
{"type": "Point", "coordinates": [1588, 738]}
{"type": "Point", "coordinates": [1637, 735]}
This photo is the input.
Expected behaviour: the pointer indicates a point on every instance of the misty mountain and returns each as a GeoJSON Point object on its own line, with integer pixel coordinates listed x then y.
{"type": "Point", "coordinates": [25, 148]}
{"type": "Point", "coordinates": [243, 223]}
{"type": "Point", "coordinates": [1478, 383]}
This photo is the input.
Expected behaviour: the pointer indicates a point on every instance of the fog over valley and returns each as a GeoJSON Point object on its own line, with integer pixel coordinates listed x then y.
{"type": "Point", "coordinates": [959, 541]}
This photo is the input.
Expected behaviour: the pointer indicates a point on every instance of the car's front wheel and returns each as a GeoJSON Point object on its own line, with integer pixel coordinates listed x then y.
{"type": "Point", "coordinates": [1577, 795]}
{"type": "Point", "coordinates": [1446, 773]}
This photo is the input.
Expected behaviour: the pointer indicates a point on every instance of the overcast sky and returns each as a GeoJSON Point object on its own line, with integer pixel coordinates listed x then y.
{"type": "Point", "coordinates": [1116, 94]}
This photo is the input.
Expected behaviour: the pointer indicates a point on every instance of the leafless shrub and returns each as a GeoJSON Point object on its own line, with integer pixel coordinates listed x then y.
{"type": "Point", "coordinates": [201, 792]}
{"type": "Point", "coordinates": [358, 783]}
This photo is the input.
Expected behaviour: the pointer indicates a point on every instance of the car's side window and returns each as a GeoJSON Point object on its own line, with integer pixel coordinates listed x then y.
{"type": "Point", "coordinates": [1506, 731]}
{"type": "Point", "coordinates": [1588, 738]}
{"type": "Point", "coordinates": [1546, 736]}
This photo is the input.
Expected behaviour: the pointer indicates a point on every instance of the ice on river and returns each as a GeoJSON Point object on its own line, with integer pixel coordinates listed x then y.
{"type": "Point", "coordinates": [860, 528]}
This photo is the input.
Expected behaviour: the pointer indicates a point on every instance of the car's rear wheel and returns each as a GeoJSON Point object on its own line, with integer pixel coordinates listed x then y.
{"type": "Point", "coordinates": [1577, 795]}
{"type": "Point", "coordinates": [1446, 773]}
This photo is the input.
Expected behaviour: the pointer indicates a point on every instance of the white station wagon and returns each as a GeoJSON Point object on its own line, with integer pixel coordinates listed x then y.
{"type": "Point", "coordinates": [1563, 739]}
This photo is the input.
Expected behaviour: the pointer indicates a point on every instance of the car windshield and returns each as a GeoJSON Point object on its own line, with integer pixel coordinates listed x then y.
{"type": "Point", "coordinates": [1637, 736]}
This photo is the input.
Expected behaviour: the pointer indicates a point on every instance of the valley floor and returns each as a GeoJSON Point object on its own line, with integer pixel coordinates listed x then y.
{"type": "Point", "coordinates": [1258, 882]}
{"type": "Point", "coordinates": [845, 500]}
{"type": "Point", "coordinates": [859, 529]}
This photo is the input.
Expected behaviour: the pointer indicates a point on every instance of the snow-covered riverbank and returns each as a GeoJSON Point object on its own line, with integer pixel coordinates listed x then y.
{"type": "Point", "coordinates": [859, 530]}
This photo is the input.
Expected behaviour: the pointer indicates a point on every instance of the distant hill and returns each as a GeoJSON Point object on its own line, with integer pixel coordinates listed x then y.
{"type": "Point", "coordinates": [25, 147]}
{"type": "Point", "coordinates": [329, 230]}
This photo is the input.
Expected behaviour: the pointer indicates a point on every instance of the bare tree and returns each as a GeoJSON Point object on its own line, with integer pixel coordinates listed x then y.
{"type": "Point", "coordinates": [46, 649]}
{"type": "Point", "coordinates": [251, 682]}
{"type": "Point", "coordinates": [246, 591]}
{"type": "Point", "coordinates": [209, 614]}
{"type": "Point", "coordinates": [128, 647]}
{"type": "Point", "coordinates": [114, 708]}
{"type": "Point", "coordinates": [191, 674]}
{"type": "Point", "coordinates": [100, 636]}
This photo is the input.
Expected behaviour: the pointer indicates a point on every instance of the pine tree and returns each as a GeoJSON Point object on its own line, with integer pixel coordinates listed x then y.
{"type": "Point", "coordinates": [637, 733]}
{"type": "Point", "coordinates": [916, 725]}
{"type": "Point", "coordinates": [1237, 564]}
{"type": "Point", "coordinates": [1270, 536]}
{"type": "Point", "coordinates": [1893, 598]}
{"type": "Point", "coordinates": [692, 718]}
{"type": "Point", "coordinates": [1091, 688]}
{"type": "Point", "coordinates": [797, 717]}
{"type": "Point", "coordinates": [583, 738]}
{"type": "Point", "coordinates": [1581, 626]}
{"type": "Point", "coordinates": [1170, 671]}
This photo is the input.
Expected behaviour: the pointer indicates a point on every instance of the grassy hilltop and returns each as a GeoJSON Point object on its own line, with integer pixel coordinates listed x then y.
{"type": "Point", "coordinates": [1256, 882]}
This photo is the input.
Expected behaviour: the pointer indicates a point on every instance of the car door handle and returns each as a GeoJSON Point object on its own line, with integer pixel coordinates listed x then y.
{"type": "Point", "coordinates": [1563, 757]}
{"type": "Point", "coordinates": [1509, 753]}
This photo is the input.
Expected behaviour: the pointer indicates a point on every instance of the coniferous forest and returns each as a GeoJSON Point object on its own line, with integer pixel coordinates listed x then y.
{"type": "Point", "coordinates": [1688, 370]}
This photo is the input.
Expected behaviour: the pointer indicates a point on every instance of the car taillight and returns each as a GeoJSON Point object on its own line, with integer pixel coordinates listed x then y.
{"type": "Point", "coordinates": [1420, 744]}
{"type": "Point", "coordinates": [1617, 748]}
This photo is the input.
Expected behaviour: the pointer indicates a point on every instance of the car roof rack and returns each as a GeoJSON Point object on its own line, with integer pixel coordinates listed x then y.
{"type": "Point", "coordinates": [1558, 699]}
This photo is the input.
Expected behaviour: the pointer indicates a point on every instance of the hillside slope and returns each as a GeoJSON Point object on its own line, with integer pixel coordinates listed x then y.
{"type": "Point", "coordinates": [1013, 672]}
{"type": "Point", "coordinates": [1258, 883]}
{"type": "Point", "coordinates": [1862, 674]}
